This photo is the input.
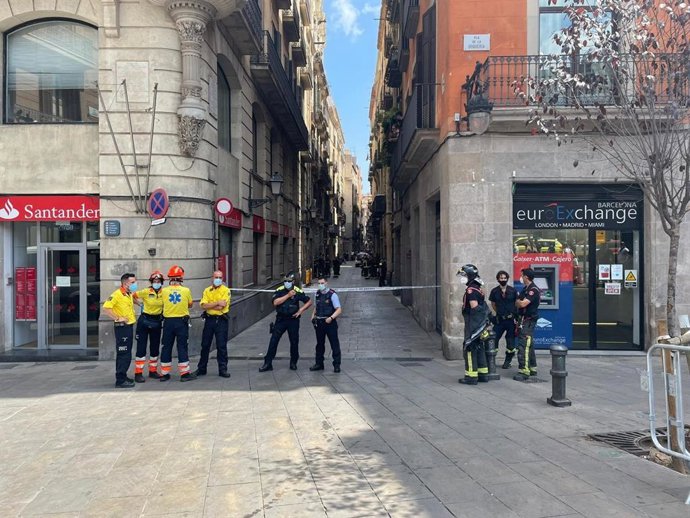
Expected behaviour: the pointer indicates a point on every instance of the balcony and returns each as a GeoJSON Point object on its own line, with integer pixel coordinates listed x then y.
{"type": "Point", "coordinates": [291, 24]}
{"type": "Point", "coordinates": [283, 4]}
{"type": "Point", "coordinates": [410, 18]}
{"type": "Point", "coordinates": [499, 76]}
{"type": "Point", "coordinates": [244, 26]}
{"type": "Point", "coordinates": [271, 78]}
{"type": "Point", "coordinates": [393, 71]}
{"type": "Point", "coordinates": [418, 135]}
{"type": "Point", "coordinates": [378, 205]}
{"type": "Point", "coordinates": [299, 55]}
{"type": "Point", "coordinates": [305, 79]}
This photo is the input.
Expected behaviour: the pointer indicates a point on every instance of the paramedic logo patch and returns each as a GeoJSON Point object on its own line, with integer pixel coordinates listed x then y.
{"type": "Point", "coordinates": [175, 298]}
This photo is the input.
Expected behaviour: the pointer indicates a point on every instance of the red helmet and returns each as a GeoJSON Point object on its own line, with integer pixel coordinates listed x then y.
{"type": "Point", "coordinates": [176, 272]}
{"type": "Point", "coordinates": [156, 274]}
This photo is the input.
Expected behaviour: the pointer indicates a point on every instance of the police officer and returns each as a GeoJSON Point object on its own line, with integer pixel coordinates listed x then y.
{"type": "Point", "coordinates": [149, 326]}
{"type": "Point", "coordinates": [120, 307]}
{"type": "Point", "coordinates": [475, 313]}
{"type": "Point", "coordinates": [286, 300]}
{"type": "Point", "coordinates": [216, 304]}
{"type": "Point", "coordinates": [177, 300]}
{"type": "Point", "coordinates": [503, 299]}
{"type": "Point", "coordinates": [528, 314]}
{"type": "Point", "coordinates": [326, 310]}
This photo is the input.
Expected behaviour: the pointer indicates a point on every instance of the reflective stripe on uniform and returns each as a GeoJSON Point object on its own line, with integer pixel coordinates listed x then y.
{"type": "Point", "coordinates": [528, 344]}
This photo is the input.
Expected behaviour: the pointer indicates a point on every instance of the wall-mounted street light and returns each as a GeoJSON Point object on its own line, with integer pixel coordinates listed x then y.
{"type": "Point", "coordinates": [276, 182]}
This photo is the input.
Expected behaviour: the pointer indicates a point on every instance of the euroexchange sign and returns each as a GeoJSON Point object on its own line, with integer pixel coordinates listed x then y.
{"type": "Point", "coordinates": [614, 215]}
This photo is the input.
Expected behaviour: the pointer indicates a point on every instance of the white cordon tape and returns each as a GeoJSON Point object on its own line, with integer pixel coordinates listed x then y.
{"type": "Point", "coordinates": [344, 290]}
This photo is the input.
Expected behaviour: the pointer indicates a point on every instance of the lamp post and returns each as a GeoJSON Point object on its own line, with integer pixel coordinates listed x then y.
{"type": "Point", "coordinates": [276, 182]}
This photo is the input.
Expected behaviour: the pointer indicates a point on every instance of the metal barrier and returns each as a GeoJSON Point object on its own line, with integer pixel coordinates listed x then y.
{"type": "Point", "coordinates": [673, 389]}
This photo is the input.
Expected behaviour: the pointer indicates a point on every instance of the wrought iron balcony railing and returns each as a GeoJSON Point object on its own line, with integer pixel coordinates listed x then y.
{"type": "Point", "coordinates": [420, 114]}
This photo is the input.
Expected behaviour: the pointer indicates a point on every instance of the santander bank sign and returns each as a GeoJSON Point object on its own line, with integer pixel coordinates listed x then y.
{"type": "Point", "coordinates": [49, 208]}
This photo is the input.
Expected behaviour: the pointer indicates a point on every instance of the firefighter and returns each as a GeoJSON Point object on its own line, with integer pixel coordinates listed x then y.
{"type": "Point", "coordinates": [475, 313]}
{"type": "Point", "coordinates": [503, 299]}
{"type": "Point", "coordinates": [286, 299]}
{"type": "Point", "coordinates": [216, 304]}
{"type": "Point", "coordinates": [326, 310]}
{"type": "Point", "coordinates": [528, 314]}
{"type": "Point", "coordinates": [177, 300]}
{"type": "Point", "coordinates": [149, 327]}
{"type": "Point", "coordinates": [120, 307]}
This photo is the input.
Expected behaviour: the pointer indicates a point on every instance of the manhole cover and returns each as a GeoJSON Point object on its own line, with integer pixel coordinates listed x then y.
{"type": "Point", "coordinates": [637, 442]}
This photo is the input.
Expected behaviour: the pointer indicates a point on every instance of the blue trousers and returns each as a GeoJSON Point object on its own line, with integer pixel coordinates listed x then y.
{"type": "Point", "coordinates": [214, 327]}
{"type": "Point", "coordinates": [291, 325]}
{"type": "Point", "coordinates": [124, 333]}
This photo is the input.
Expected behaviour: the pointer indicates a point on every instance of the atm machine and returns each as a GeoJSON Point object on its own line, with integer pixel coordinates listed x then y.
{"type": "Point", "coordinates": [546, 277]}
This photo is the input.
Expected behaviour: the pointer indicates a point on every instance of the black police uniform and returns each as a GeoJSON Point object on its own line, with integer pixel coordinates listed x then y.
{"type": "Point", "coordinates": [505, 318]}
{"type": "Point", "coordinates": [476, 368]}
{"type": "Point", "coordinates": [324, 309]}
{"type": "Point", "coordinates": [286, 322]}
{"type": "Point", "coordinates": [527, 320]}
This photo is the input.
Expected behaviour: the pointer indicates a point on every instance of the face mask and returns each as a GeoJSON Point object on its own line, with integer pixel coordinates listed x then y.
{"type": "Point", "coordinates": [502, 283]}
{"type": "Point", "coordinates": [323, 288]}
{"type": "Point", "coordinates": [156, 286]}
{"type": "Point", "coordinates": [288, 285]}
{"type": "Point", "coordinates": [133, 286]}
{"type": "Point", "coordinates": [217, 282]}
{"type": "Point", "coordinates": [465, 280]}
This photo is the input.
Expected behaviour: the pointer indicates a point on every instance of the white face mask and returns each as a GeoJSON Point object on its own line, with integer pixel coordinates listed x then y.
{"type": "Point", "coordinates": [288, 285]}
{"type": "Point", "coordinates": [323, 287]}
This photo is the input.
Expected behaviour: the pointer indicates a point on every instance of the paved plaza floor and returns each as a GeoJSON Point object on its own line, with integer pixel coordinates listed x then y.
{"type": "Point", "coordinates": [393, 434]}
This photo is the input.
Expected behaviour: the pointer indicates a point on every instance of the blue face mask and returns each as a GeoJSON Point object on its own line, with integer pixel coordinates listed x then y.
{"type": "Point", "coordinates": [288, 285]}
{"type": "Point", "coordinates": [133, 287]}
{"type": "Point", "coordinates": [323, 287]}
{"type": "Point", "coordinates": [156, 286]}
{"type": "Point", "coordinates": [217, 282]}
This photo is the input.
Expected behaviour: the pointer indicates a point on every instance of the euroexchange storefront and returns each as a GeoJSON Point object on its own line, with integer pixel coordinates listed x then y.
{"type": "Point", "coordinates": [51, 271]}
{"type": "Point", "coordinates": [586, 245]}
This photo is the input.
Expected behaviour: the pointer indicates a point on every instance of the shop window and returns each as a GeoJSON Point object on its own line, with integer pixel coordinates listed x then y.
{"type": "Point", "coordinates": [51, 73]}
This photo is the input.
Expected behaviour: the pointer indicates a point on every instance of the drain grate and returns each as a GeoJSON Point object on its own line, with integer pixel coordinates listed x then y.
{"type": "Point", "coordinates": [636, 442]}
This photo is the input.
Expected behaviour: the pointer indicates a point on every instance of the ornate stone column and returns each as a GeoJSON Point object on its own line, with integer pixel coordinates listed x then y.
{"type": "Point", "coordinates": [191, 17]}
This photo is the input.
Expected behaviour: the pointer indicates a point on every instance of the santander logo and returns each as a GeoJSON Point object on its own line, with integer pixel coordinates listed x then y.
{"type": "Point", "coordinates": [8, 211]}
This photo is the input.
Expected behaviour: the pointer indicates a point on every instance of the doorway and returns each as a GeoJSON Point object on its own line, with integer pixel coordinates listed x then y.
{"type": "Point", "coordinates": [62, 296]}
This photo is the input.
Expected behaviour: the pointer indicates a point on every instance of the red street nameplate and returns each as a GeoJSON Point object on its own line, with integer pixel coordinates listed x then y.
{"type": "Point", "coordinates": [49, 208]}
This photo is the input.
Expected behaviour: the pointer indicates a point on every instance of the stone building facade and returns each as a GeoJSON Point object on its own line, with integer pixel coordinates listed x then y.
{"type": "Point", "coordinates": [452, 193]}
{"type": "Point", "coordinates": [157, 110]}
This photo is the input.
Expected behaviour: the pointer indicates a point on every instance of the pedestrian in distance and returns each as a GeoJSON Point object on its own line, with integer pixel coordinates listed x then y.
{"type": "Point", "coordinates": [336, 266]}
{"type": "Point", "coordinates": [120, 307]}
{"type": "Point", "coordinates": [177, 300]}
{"type": "Point", "coordinates": [215, 302]}
{"type": "Point", "coordinates": [476, 315]}
{"type": "Point", "coordinates": [528, 313]}
{"type": "Point", "coordinates": [502, 299]}
{"type": "Point", "coordinates": [149, 327]}
{"type": "Point", "coordinates": [327, 308]}
{"type": "Point", "coordinates": [286, 299]}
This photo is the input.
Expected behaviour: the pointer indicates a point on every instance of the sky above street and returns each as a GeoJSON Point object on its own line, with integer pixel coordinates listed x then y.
{"type": "Point", "coordinates": [350, 60]}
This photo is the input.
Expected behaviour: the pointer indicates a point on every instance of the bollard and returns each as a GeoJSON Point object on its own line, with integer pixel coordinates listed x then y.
{"type": "Point", "coordinates": [491, 351]}
{"type": "Point", "coordinates": [558, 375]}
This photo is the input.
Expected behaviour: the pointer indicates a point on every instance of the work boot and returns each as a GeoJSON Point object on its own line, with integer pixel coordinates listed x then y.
{"type": "Point", "coordinates": [154, 375]}
{"type": "Point", "coordinates": [130, 380]}
{"type": "Point", "coordinates": [316, 367]}
{"type": "Point", "coordinates": [266, 367]}
{"type": "Point", "coordinates": [506, 364]}
{"type": "Point", "coordinates": [468, 380]}
{"type": "Point", "coordinates": [200, 372]}
{"type": "Point", "coordinates": [224, 374]}
{"type": "Point", "coordinates": [533, 372]}
{"type": "Point", "coordinates": [520, 376]}
{"type": "Point", "coordinates": [139, 378]}
{"type": "Point", "coordinates": [164, 377]}
{"type": "Point", "coordinates": [483, 378]}
{"type": "Point", "coordinates": [336, 369]}
{"type": "Point", "coordinates": [188, 376]}
{"type": "Point", "coordinates": [293, 366]}
{"type": "Point", "coordinates": [124, 384]}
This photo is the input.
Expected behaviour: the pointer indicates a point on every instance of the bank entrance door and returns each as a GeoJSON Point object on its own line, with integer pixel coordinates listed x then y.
{"type": "Point", "coordinates": [62, 296]}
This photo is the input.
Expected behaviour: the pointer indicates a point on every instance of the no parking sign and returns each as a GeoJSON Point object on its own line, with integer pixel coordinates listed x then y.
{"type": "Point", "coordinates": [157, 205]}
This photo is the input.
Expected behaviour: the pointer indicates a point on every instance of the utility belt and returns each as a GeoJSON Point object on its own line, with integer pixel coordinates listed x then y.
{"type": "Point", "coordinates": [505, 317]}
{"type": "Point", "coordinates": [122, 324]}
{"type": "Point", "coordinates": [205, 315]}
{"type": "Point", "coordinates": [184, 319]}
{"type": "Point", "coordinates": [152, 317]}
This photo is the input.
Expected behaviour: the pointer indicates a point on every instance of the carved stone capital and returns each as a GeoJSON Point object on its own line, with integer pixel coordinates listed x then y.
{"type": "Point", "coordinates": [197, 10]}
{"type": "Point", "coordinates": [190, 130]}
